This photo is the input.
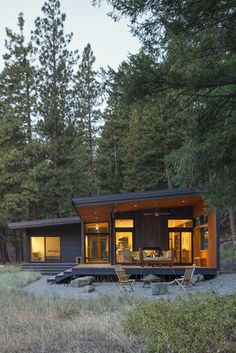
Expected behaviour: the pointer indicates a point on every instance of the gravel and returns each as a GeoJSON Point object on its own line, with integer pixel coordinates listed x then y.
{"type": "Point", "coordinates": [224, 284]}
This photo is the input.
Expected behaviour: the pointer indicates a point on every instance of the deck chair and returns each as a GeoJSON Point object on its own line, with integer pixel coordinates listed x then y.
{"type": "Point", "coordinates": [186, 280]}
{"type": "Point", "coordinates": [124, 281]}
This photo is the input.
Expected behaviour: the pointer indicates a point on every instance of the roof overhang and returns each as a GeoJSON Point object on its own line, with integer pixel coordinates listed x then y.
{"type": "Point", "coordinates": [40, 223]}
{"type": "Point", "coordinates": [100, 208]}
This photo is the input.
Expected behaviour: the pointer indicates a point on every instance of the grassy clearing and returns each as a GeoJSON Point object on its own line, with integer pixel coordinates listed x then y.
{"type": "Point", "coordinates": [30, 324]}
{"type": "Point", "coordinates": [52, 325]}
{"type": "Point", "coordinates": [202, 324]}
{"type": "Point", "coordinates": [12, 278]}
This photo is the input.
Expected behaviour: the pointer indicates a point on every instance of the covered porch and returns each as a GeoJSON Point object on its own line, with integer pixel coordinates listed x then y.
{"type": "Point", "coordinates": [116, 227]}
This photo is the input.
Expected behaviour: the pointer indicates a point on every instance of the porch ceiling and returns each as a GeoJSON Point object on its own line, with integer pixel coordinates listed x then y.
{"type": "Point", "coordinates": [95, 213]}
{"type": "Point", "coordinates": [102, 213]}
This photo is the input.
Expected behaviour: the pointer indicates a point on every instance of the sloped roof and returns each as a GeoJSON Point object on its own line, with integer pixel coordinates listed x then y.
{"type": "Point", "coordinates": [43, 223]}
{"type": "Point", "coordinates": [134, 196]}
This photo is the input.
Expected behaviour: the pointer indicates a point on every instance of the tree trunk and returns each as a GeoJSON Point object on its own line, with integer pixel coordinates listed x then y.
{"type": "Point", "coordinates": [3, 250]}
{"type": "Point", "coordinates": [232, 226]}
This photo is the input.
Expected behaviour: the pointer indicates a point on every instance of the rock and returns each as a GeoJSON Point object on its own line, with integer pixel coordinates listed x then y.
{"type": "Point", "coordinates": [197, 278]}
{"type": "Point", "coordinates": [89, 289]}
{"type": "Point", "coordinates": [159, 288]}
{"type": "Point", "coordinates": [151, 278]}
{"type": "Point", "coordinates": [82, 281]}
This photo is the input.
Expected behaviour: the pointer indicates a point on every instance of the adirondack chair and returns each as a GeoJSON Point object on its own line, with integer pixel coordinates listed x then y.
{"type": "Point", "coordinates": [124, 281]}
{"type": "Point", "coordinates": [186, 280]}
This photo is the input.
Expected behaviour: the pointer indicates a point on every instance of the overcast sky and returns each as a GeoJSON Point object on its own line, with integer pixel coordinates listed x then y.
{"type": "Point", "coordinates": [111, 41]}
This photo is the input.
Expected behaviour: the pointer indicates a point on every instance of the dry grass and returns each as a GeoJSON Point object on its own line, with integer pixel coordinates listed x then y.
{"type": "Point", "coordinates": [43, 325]}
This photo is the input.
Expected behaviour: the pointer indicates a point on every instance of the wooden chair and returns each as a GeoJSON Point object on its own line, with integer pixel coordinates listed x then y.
{"type": "Point", "coordinates": [124, 281]}
{"type": "Point", "coordinates": [186, 280]}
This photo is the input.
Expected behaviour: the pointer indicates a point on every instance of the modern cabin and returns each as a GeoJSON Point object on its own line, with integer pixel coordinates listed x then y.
{"type": "Point", "coordinates": [157, 221]}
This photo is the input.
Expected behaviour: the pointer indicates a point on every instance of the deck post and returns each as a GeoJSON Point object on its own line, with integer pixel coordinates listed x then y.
{"type": "Point", "coordinates": [82, 243]}
{"type": "Point", "coordinates": [112, 241]}
{"type": "Point", "coordinates": [218, 219]}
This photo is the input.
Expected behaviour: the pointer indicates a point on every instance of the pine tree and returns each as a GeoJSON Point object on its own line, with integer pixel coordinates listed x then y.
{"type": "Point", "coordinates": [55, 106]}
{"type": "Point", "coordinates": [88, 115]}
{"type": "Point", "coordinates": [16, 143]}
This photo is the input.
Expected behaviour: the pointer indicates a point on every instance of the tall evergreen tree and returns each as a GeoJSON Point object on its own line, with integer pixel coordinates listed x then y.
{"type": "Point", "coordinates": [55, 105]}
{"type": "Point", "coordinates": [16, 143]}
{"type": "Point", "coordinates": [88, 100]}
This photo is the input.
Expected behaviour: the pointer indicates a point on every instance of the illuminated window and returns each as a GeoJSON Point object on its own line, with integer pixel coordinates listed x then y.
{"type": "Point", "coordinates": [124, 223]}
{"type": "Point", "coordinates": [96, 228]}
{"type": "Point", "coordinates": [37, 249]}
{"type": "Point", "coordinates": [53, 248]}
{"type": "Point", "coordinates": [45, 249]}
{"type": "Point", "coordinates": [180, 223]}
{"type": "Point", "coordinates": [124, 246]}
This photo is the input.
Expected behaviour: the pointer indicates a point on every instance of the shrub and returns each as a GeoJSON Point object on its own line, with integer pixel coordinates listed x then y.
{"type": "Point", "coordinates": [227, 253]}
{"type": "Point", "coordinates": [202, 324]}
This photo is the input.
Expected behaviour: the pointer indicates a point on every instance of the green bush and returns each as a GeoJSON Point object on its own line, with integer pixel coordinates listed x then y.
{"type": "Point", "coordinates": [227, 253]}
{"type": "Point", "coordinates": [203, 324]}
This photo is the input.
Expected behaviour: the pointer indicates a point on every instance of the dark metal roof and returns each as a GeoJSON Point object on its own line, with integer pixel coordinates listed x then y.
{"type": "Point", "coordinates": [134, 196]}
{"type": "Point", "coordinates": [43, 223]}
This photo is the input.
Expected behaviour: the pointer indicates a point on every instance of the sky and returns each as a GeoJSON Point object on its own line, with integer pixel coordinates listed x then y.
{"type": "Point", "coordinates": [111, 41]}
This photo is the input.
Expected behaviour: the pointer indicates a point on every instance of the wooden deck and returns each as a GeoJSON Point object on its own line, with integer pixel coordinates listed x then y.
{"type": "Point", "coordinates": [109, 270]}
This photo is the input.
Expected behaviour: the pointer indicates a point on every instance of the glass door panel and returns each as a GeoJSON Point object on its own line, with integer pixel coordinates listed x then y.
{"type": "Point", "coordinates": [174, 245]}
{"type": "Point", "coordinates": [181, 245]}
{"type": "Point", "coordinates": [186, 247]}
{"type": "Point", "coordinates": [124, 246]}
{"type": "Point", "coordinates": [53, 249]}
{"type": "Point", "coordinates": [97, 248]}
{"type": "Point", "coordinates": [37, 249]}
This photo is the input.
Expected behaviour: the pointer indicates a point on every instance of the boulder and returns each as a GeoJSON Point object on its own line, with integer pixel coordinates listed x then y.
{"type": "Point", "coordinates": [197, 278]}
{"type": "Point", "coordinates": [82, 281]}
{"type": "Point", "coordinates": [89, 289]}
{"type": "Point", "coordinates": [159, 288]}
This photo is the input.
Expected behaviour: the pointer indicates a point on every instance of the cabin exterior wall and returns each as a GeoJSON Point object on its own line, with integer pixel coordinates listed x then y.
{"type": "Point", "coordinates": [70, 236]}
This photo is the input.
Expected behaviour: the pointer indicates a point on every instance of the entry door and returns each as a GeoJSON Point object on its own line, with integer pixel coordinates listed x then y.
{"type": "Point", "coordinates": [181, 244]}
{"type": "Point", "coordinates": [97, 248]}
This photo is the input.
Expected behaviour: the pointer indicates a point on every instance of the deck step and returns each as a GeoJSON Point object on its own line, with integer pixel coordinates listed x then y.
{"type": "Point", "coordinates": [47, 268]}
{"type": "Point", "coordinates": [51, 280]}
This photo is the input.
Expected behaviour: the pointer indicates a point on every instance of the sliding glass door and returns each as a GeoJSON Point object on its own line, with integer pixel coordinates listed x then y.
{"type": "Point", "coordinates": [45, 249]}
{"type": "Point", "coordinates": [180, 242]}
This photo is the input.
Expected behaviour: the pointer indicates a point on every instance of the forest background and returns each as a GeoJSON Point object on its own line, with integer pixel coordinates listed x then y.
{"type": "Point", "coordinates": [164, 119]}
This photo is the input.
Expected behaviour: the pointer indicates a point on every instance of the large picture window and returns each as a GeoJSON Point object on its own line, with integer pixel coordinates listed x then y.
{"type": "Point", "coordinates": [45, 249]}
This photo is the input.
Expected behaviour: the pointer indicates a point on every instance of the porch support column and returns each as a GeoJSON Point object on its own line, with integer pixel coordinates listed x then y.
{"type": "Point", "coordinates": [112, 241]}
{"type": "Point", "coordinates": [82, 243]}
{"type": "Point", "coordinates": [27, 248]}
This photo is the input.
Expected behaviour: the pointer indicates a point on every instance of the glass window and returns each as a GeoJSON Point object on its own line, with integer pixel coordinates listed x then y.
{"type": "Point", "coordinates": [37, 249]}
{"type": "Point", "coordinates": [180, 223]}
{"type": "Point", "coordinates": [124, 223]}
{"type": "Point", "coordinates": [204, 238]}
{"type": "Point", "coordinates": [53, 248]}
{"type": "Point", "coordinates": [124, 246]}
{"type": "Point", "coordinates": [96, 228]}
